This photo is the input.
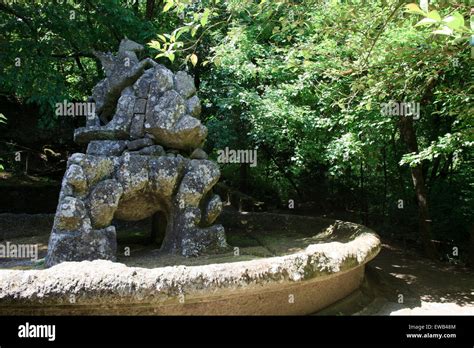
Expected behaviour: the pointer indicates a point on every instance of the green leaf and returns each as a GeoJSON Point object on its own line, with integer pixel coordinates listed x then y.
{"type": "Point", "coordinates": [444, 31]}
{"type": "Point", "coordinates": [205, 17]}
{"type": "Point", "coordinates": [460, 18]}
{"type": "Point", "coordinates": [472, 22]}
{"type": "Point", "coordinates": [426, 21]}
{"type": "Point", "coordinates": [194, 30]}
{"type": "Point", "coordinates": [168, 5]}
{"type": "Point", "coordinates": [170, 56]}
{"type": "Point", "coordinates": [194, 59]}
{"type": "Point", "coordinates": [181, 31]}
{"type": "Point", "coordinates": [455, 21]}
{"type": "Point", "coordinates": [414, 8]}
{"type": "Point", "coordinates": [434, 15]}
{"type": "Point", "coordinates": [155, 44]}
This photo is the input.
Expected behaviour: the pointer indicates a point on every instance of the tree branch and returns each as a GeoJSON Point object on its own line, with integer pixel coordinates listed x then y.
{"type": "Point", "coordinates": [73, 55]}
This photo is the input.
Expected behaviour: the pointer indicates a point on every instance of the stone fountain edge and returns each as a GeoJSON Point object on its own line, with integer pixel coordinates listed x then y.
{"type": "Point", "coordinates": [104, 287]}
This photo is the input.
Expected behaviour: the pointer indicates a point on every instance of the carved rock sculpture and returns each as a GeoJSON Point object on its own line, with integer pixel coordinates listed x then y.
{"type": "Point", "coordinates": [145, 160]}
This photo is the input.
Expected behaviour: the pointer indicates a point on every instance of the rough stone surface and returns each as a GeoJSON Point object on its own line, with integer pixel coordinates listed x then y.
{"type": "Point", "coordinates": [184, 84]}
{"type": "Point", "coordinates": [140, 106]}
{"type": "Point", "coordinates": [154, 150]}
{"type": "Point", "coordinates": [103, 202]}
{"type": "Point", "coordinates": [76, 178]}
{"type": "Point", "coordinates": [212, 210]}
{"type": "Point", "coordinates": [70, 214]}
{"type": "Point", "coordinates": [106, 147]}
{"type": "Point", "coordinates": [126, 173]}
{"type": "Point", "coordinates": [194, 106]}
{"type": "Point", "coordinates": [121, 71]}
{"type": "Point", "coordinates": [136, 128]}
{"type": "Point", "coordinates": [168, 121]}
{"type": "Point", "coordinates": [199, 154]}
{"type": "Point", "coordinates": [83, 245]}
{"type": "Point", "coordinates": [84, 135]}
{"type": "Point", "coordinates": [139, 143]}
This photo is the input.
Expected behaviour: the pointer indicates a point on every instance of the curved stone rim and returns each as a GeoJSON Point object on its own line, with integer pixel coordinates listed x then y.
{"type": "Point", "coordinates": [103, 282]}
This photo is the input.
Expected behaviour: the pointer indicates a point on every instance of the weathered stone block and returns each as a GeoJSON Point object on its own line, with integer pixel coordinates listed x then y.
{"type": "Point", "coordinates": [193, 105]}
{"type": "Point", "coordinates": [106, 147]}
{"type": "Point", "coordinates": [139, 143]}
{"type": "Point", "coordinates": [70, 214]}
{"type": "Point", "coordinates": [184, 84]}
{"type": "Point", "coordinates": [76, 178]}
{"type": "Point", "coordinates": [103, 201]}
{"type": "Point", "coordinates": [140, 106]}
{"type": "Point", "coordinates": [136, 128]}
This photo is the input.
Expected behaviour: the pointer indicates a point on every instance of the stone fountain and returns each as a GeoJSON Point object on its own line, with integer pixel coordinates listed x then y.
{"type": "Point", "coordinates": [145, 159]}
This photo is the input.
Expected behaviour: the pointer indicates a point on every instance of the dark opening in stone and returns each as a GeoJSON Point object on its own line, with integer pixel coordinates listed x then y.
{"type": "Point", "coordinates": [158, 228]}
{"type": "Point", "coordinates": [148, 232]}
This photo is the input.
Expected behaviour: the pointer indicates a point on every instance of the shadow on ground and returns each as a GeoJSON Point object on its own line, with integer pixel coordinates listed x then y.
{"type": "Point", "coordinates": [399, 282]}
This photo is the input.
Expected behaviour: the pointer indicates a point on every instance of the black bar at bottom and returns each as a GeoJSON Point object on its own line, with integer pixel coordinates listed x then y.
{"type": "Point", "coordinates": [192, 331]}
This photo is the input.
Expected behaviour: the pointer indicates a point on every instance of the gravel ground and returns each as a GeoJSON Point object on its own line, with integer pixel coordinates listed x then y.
{"type": "Point", "coordinates": [423, 286]}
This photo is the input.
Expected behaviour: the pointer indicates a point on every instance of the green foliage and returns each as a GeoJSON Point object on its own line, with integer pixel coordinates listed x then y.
{"type": "Point", "coordinates": [451, 25]}
{"type": "Point", "coordinates": [303, 81]}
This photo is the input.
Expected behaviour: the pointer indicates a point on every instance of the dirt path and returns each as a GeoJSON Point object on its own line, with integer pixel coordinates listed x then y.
{"type": "Point", "coordinates": [422, 286]}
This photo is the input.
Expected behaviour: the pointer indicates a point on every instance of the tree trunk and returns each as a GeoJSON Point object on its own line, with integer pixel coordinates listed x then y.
{"type": "Point", "coordinates": [363, 203]}
{"type": "Point", "coordinates": [150, 9]}
{"type": "Point", "coordinates": [243, 177]}
{"type": "Point", "coordinates": [424, 221]}
{"type": "Point", "coordinates": [384, 204]}
{"type": "Point", "coordinates": [471, 247]}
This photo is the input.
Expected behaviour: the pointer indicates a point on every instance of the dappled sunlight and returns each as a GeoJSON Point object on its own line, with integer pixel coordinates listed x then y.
{"type": "Point", "coordinates": [410, 279]}
{"type": "Point", "coordinates": [412, 285]}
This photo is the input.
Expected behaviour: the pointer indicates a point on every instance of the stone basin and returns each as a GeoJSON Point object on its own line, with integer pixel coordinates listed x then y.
{"type": "Point", "coordinates": [277, 264]}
